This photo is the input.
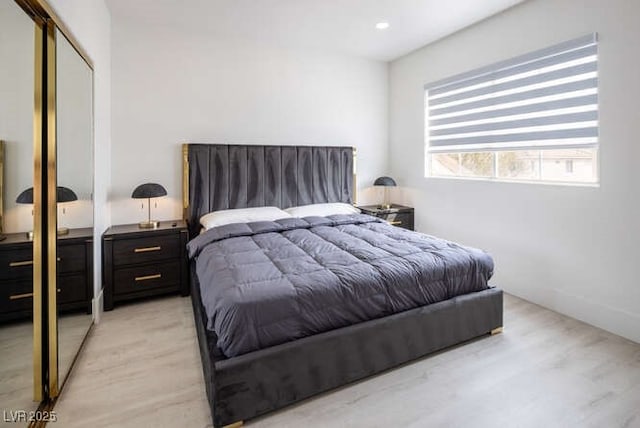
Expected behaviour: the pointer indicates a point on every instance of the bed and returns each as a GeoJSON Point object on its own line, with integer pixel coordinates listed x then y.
{"type": "Point", "coordinates": [322, 294]}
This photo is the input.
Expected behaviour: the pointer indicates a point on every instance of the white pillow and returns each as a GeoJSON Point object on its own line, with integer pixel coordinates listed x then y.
{"type": "Point", "coordinates": [241, 215]}
{"type": "Point", "coordinates": [322, 210]}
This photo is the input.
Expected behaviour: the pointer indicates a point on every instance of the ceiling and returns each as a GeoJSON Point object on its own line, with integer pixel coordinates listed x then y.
{"type": "Point", "coordinates": [341, 26]}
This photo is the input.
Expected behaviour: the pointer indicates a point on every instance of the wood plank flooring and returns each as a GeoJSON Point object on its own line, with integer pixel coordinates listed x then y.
{"type": "Point", "coordinates": [141, 368]}
{"type": "Point", "coordinates": [16, 361]}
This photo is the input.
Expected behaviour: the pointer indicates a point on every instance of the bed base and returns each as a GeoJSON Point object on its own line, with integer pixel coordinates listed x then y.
{"type": "Point", "coordinates": [243, 387]}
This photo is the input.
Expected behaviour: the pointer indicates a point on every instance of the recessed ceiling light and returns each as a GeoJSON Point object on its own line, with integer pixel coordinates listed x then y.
{"type": "Point", "coordinates": [382, 25]}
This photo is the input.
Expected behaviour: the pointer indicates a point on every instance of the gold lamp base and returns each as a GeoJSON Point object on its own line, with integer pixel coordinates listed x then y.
{"type": "Point", "coordinates": [385, 206]}
{"type": "Point", "coordinates": [63, 231]}
{"type": "Point", "coordinates": [150, 224]}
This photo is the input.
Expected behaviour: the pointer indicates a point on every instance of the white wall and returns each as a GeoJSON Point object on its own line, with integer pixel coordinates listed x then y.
{"type": "Point", "coordinates": [572, 249]}
{"type": "Point", "coordinates": [172, 86]}
{"type": "Point", "coordinates": [90, 23]}
{"type": "Point", "coordinates": [17, 52]}
{"type": "Point", "coordinates": [74, 128]}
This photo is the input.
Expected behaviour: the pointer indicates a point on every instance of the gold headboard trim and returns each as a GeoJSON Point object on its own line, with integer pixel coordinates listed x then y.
{"type": "Point", "coordinates": [185, 179]}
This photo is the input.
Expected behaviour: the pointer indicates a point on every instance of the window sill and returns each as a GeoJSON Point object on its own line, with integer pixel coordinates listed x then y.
{"type": "Point", "coordinates": [504, 180]}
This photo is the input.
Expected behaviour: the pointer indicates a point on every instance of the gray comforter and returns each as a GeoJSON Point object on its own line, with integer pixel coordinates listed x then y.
{"type": "Point", "coordinates": [266, 283]}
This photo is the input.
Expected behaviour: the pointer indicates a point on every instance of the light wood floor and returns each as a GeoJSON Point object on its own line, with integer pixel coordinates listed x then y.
{"type": "Point", "coordinates": [16, 361]}
{"type": "Point", "coordinates": [141, 368]}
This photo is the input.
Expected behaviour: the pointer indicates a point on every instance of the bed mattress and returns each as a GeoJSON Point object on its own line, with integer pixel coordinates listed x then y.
{"type": "Point", "coordinates": [266, 283]}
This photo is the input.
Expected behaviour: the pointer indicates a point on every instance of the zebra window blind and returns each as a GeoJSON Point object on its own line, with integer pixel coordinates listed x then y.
{"type": "Point", "coordinates": [547, 99]}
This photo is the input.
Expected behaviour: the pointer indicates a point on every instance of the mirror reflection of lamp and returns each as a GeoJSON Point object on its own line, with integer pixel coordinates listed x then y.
{"type": "Point", "coordinates": [63, 195]}
{"type": "Point", "coordinates": [148, 191]}
{"type": "Point", "coordinates": [26, 197]}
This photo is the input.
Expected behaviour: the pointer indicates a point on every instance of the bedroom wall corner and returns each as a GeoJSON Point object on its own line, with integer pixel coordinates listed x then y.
{"type": "Point", "coordinates": [90, 23]}
{"type": "Point", "coordinates": [571, 249]}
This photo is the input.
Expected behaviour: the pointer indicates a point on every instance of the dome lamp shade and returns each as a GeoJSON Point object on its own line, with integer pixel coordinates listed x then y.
{"type": "Point", "coordinates": [64, 194]}
{"type": "Point", "coordinates": [384, 181]}
{"type": "Point", "coordinates": [26, 197]}
{"type": "Point", "coordinates": [149, 190]}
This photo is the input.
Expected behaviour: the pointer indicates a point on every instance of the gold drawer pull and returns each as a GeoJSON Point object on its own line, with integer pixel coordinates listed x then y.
{"type": "Point", "coordinates": [393, 223]}
{"type": "Point", "coordinates": [24, 296]}
{"type": "Point", "coordinates": [148, 277]}
{"type": "Point", "coordinates": [18, 264]}
{"type": "Point", "coordinates": [147, 249]}
{"type": "Point", "coordinates": [20, 296]}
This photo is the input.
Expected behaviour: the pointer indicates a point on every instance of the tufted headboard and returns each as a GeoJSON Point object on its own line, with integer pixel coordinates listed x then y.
{"type": "Point", "coordinates": [221, 176]}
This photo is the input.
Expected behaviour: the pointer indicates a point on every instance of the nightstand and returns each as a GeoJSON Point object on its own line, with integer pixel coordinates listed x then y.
{"type": "Point", "coordinates": [397, 215]}
{"type": "Point", "coordinates": [140, 263]}
{"type": "Point", "coordinates": [75, 273]}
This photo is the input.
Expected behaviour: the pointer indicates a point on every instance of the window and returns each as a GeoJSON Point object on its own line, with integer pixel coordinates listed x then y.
{"type": "Point", "coordinates": [531, 118]}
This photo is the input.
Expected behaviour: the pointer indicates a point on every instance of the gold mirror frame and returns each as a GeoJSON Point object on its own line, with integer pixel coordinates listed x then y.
{"type": "Point", "coordinates": [52, 212]}
{"type": "Point", "coordinates": [38, 387]}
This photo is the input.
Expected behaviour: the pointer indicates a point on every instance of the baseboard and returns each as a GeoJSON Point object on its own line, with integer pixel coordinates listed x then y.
{"type": "Point", "coordinates": [96, 306]}
{"type": "Point", "coordinates": [613, 320]}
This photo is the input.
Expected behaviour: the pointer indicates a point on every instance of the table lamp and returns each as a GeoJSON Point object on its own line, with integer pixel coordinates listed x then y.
{"type": "Point", "coordinates": [386, 182]}
{"type": "Point", "coordinates": [148, 191]}
{"type": "Point", "coordinates": [63, 195]}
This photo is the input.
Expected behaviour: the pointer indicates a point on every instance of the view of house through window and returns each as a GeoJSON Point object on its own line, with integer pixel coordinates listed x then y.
{"type": "Point", "coordinates": [532, 118]}
{"type": "Point", "coordinates": [569, 165]}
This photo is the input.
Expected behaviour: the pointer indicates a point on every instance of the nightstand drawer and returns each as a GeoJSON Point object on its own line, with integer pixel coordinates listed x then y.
{"type": "Point", "coordinates": [71, 258]}
{"type": "Point", "coordinates": [140, 250]}
{"type": "Point", "coordinates": [141, 278]}
{"type": "Point", "coordinates": [399, 219]}
{"type": "Point", "coordinates": [16, 263]}
{"type": "Point", "coordinates": [72, 288]}
{"type": "Point", "coordinates": [16, 296]}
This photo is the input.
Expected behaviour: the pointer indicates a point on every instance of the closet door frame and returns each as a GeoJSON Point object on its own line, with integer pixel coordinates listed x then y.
{"type": "Point", "coordinates": [45, 320]}
{"type": "Point", "coordinates": [39, 322]}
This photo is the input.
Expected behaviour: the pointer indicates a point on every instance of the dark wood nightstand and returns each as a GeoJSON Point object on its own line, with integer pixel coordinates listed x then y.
{"type": "Point", "coordinates": [397, 215]}
{"type": "Point", "coordinates": [75, 273]}
{"type": "Point", "coordinates": [144, 262]}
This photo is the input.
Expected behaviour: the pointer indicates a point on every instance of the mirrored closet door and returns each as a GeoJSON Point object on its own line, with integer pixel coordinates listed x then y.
{"type": "Point", "coordinates": [21, 328]}
{"type": "Point", "coordinates": [46, 205]}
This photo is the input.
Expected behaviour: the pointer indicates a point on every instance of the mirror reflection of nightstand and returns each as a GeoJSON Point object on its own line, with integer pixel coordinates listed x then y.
{"type": "Point", "coordinates": [74, 274]}
{"type": "Point", "coordinates": [396, 215]}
